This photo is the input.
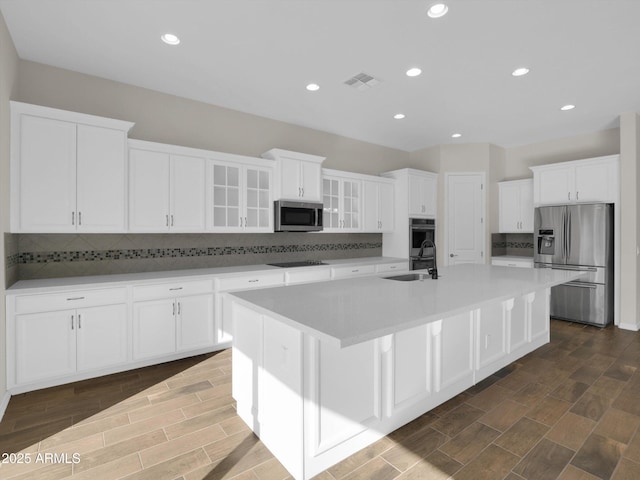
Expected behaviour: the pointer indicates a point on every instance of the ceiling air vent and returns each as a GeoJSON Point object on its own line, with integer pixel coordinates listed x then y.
{"type": "Point", "coordinates": [362, 81]}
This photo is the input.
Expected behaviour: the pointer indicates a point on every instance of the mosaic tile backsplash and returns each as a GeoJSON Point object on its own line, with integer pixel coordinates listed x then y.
{"type": "Point", "coordinates": [64, 255]}
{"type": "Point", "coordinates": [520, 244]}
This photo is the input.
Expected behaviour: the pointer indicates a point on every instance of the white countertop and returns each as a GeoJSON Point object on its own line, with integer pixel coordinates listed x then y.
{"type": "Point", "coordinates": [101, 281]}
{"type": "Point", "coordinates": [354, 310]}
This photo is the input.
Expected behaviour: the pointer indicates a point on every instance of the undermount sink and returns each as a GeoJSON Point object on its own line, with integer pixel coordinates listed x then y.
{"type": "Point", "coordinates": [409, 277]}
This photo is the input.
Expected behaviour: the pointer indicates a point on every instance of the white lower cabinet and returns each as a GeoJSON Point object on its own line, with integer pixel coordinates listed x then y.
{"type": "Point", "coordinates": [45, 345]}
{"type": "Point", "coordinates": [102, 337]}
{"type": "Point", "coordinates": [154, 328]}
{"type": "Point", "coordinates": [166, 326]}
{"type": "Point", "coordinates": [55, 344]}
{"type": "Point", "coordinates": [224, 333]}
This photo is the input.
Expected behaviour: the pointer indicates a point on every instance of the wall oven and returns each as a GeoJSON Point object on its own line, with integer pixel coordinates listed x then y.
{"type": "Point", "coordinates": [421, 229]}
{"type": "Point", "coordinates": [291, 216]}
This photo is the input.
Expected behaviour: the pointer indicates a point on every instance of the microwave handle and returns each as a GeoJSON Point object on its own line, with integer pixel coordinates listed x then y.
{"type": "Point", "coordinates": [318, 217]}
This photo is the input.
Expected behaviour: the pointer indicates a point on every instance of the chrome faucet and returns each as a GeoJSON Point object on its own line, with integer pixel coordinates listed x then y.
{"type": "Point", "coordinates": [433, 271]}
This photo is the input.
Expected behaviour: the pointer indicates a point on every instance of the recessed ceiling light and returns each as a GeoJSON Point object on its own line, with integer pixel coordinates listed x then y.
{"type": "Point", "coordinates": [413, 72]}
{"type": "Point", "coordinates": [437, 10]}
{"type": "Point", "coordinates": [399, 116]}
{"type": "Point", "coordinates": [456, 135]}
{"type": "Point", "coordinates": [567, 107]}
{"type": "Point", "coordinates": [312, 87]}
{"type": "Point", "coordinates": [518, 72]}
{"type": "Point", "coordinates": [170, 39]}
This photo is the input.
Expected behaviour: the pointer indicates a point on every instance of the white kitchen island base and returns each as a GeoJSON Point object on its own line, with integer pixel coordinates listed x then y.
{"type": "Point", "coordinates": [314, 402]}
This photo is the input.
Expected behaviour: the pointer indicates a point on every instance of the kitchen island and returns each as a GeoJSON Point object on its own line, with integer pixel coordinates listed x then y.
{"type": "Point", "coordinates": [322, 370]}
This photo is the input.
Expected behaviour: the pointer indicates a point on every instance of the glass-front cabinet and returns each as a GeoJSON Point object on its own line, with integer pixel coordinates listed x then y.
{"type": "Point", "coordinates": [342, 204]}
{"type": "Point", "coordinates": [241, 198]}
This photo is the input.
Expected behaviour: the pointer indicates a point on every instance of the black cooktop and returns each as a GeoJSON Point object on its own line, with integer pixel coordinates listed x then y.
{"type": "Point", "coordinates": [303, 263]}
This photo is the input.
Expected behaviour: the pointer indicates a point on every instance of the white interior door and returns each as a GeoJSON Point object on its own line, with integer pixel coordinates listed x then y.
{"type": "Point", "coordinates": [465, 222]}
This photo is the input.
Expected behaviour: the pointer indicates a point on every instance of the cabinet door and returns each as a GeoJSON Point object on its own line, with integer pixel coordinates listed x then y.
{"type": "Point", "coordinates": [101, 181]}
{"type": "Point", "coordinates": [47, 175]}
{"type": "Point", "coordinates": [453, 352]}
{"type": "Point", "coordinates": [411, 368]}
{"type": "Point", "coordinates": [509, 209]}
{"type": "Point", "coordinates": [290, 179]}
{"type": "Point", "coordinates": [386, 207]}
{"type": "Point", "coordinates": [331, 204]}
{"type": "Point", "coordinates": [194, 322]}
{"type": "Point", "coordinates": [592, 183]}
{"type": "Point", "coordinates": [371, 220]}
{"type": "Point", "coordinates": [154, 328]}
{"type": "Point", "coordinates": [311, 181]}
{"type": "Point", "coordinates": [45, 345]}
{"type": "Point", "coordinates": [526, 206]}
{"type": "Point", "coordinates": [416, 196]}
{"type": "Point", "coordinates": [350, 195]}
{"type": "Point", "coordinates": [226, 198]}
{"type": "Point", "coordinates": [187, 194]}
{"type": "Point", "coordinates": [555, 185]}
{"type": "Point", "coordinates": [258, 204]}
{"type": "Point", "coordinates": [430, 195]}
{"type": "Point", "coordinates": [491, 339]}
{"type": "Point", "coordinates": [149, 197]}
{"type": "Point", "coordinates": [101, 336]}
{"type": "Point", "coordinates": [344, 392]}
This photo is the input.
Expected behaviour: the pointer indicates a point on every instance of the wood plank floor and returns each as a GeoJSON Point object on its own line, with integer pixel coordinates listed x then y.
{"type": "Point", "coordinates": [570, 410]}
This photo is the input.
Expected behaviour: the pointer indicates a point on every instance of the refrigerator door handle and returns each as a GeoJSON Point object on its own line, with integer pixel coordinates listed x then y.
{"type": "Point", "coordinates": [573, 268]}
{"type": "Point", "coordinates": [581, 285]}
{"type": "Point", "coordinates": [568, 235]}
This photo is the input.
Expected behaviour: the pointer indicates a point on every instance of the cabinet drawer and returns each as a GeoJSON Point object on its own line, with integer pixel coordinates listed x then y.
{"type": "Point", "coordinates": [512, 263]}
{"type": "Point", "coordinates": [64, 300]}
{"type": "Point", "coordinates": [174, 289]}
{"type": "Point", "coordinates": [390, 267]}
{"type": "Point", "coordinates": [255, 280]}
{"type": "Point", "coordinates": [352, 271]}
{"type": "Point", "coordinates": [304, 276]}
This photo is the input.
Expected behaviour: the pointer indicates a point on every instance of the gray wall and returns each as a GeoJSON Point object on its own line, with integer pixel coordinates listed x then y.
{"type": "Point", "coordinates": [8, 69]}
{"type": "Point", "coordinates": [168, 119]}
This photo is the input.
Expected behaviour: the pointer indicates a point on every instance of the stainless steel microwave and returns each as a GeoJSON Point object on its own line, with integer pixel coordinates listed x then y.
{"type": "Point", "coordinates": [293, 216]}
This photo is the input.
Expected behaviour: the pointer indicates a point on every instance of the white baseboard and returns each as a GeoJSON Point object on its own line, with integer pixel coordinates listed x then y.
{"type": "Point", "coordinates": [4, 403]}
{"type": "Point", "coordinates": [629, 326]}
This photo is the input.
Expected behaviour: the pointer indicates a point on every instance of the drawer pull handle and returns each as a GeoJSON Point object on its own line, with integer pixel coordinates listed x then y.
{"type": "Point", "coordinates": [75, 298]}
{"type": "Point", "coordinates": [253, 281]}
{"type": "Point", "coordinates": [176, 288]}
{"type": "Point", "coordinates": [355, 271]}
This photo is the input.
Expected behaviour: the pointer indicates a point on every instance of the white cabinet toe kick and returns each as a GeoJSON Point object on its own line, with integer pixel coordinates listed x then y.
{"type": "Point", "coordinates": [313, 403]}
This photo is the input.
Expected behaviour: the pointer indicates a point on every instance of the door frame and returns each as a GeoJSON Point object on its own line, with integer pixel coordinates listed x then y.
{"type": "Point", "coordinates": [483, 209]}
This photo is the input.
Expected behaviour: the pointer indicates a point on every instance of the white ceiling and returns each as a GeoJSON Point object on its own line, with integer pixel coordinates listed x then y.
{"type": "Point", "coordinates": [257, 56]}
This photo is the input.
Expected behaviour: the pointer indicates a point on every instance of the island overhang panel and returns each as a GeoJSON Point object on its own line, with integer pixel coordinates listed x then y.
{"type": "Point", "coordinates": [322, 370]}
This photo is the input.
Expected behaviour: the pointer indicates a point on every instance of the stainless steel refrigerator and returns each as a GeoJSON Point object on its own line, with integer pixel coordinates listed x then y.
{"type": "Point", "coordinates": [578, 237]}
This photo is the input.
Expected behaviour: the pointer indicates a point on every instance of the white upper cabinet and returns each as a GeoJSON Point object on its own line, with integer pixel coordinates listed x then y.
{"type": "Point", "coordinates": [516, 206]}
{"type": "Point", "coordinates": [298, 175]}
{"type": "Point", "coordinates": [591, 180]}
{"type": "Point", "coordinates": [378, 206]}
{"type": "Point", "coordinates": [68, 171]}
{"type": "Point", "coordinates": [342, 200]}
{"type": "Point", "coordinates": [167, 191]}
{"type": "Point", "coordinates": [240, 197]}
{"type": "Point", "coordinates": [422, 194]}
